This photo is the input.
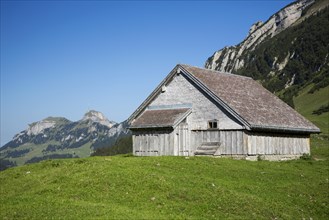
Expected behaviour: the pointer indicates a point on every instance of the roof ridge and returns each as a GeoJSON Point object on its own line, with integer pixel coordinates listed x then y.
{"type": "Point", "coordinates": [215, 71]}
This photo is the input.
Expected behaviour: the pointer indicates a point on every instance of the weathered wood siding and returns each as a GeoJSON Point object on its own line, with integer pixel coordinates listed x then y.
{"type": "Point", "coordinates": [247, 143]}
{"type": "Point", "coordinates": [277, 144]}
{"type": "Point", "coordinates": [231, 142]}
{"type": "Point", "coordinates": [158, 142]}
{"type": "Point", "coordinates": [181, 91]}
{"type": "Point", "coordinates": [183, 142]}
{"type": "Point", "coordinates": [153, 142]}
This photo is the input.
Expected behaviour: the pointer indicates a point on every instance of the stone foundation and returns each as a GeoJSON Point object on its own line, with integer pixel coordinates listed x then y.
{"type": "Point", "coordinates": [261, 157]}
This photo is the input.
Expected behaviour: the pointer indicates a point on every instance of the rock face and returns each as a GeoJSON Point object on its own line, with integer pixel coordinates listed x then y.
{"type": "Point", "coordinates": [229, 59]}
{"type": "Point", "coordinates": [38, 127]}
{"type": "Point", "coordinates": [56, 137]}
{"type": "Point", "coordinates": [286, 53]}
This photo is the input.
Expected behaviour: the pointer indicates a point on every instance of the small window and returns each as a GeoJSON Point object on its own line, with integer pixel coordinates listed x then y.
{"type": "Point", "coordinates": [213, 124]}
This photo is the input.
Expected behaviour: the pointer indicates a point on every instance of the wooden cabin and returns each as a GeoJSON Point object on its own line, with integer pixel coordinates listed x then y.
{"type": "Point", "coordinates": [198, 111]}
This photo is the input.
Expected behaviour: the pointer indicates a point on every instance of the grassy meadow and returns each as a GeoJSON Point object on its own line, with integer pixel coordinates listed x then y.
{"type": "Point", "coordinates": [126, 187]}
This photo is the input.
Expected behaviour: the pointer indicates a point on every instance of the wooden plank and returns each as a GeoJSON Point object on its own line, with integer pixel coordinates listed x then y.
{"type": "Point", "coordinates": [233, 142]}
{"type": "Point", "coordinates": [163, 141]}
{"type": "Point", "coordinates": [265, 139]}
{"type": "Point", "coordinates": [284, 145]}
{"type": "Point", "coordinates": [280, 145]}
{"type": "Point", "coordinates": [139, 148]}
{"type": "Point", "coordinates": [138, 143]}
{"type": "Point", "coordinates": [230, 142]}
{"type": "Point", "coordinates": [254, 145]}
{"type": "Point", "coordinates": [262, 145]}
{"type": "Point", "coordinates": [188, 141]}
{"type": "Point", "coordinates": [268, 146]}
{"type": "Point", "coordinates": [248, 144]}
{"type": "Point", "coordinates": [172, 143]}
{"type": "Point", "coordinates": [239, 143]}
{"type": "Point", "coordinates": [134, 143]}
{"type": "Point", "coordinates": [273, 144]}
{"type": "Point", "coordinates": [227, 143]}
{"type": "Point", "coordinates": [223, 141]}
{"type": "Point", "coordinates": [160, 135]}
{"type": "Point", "coordinates": [244, 143]}
{"type": "Point", "coordinates": [146, 144]}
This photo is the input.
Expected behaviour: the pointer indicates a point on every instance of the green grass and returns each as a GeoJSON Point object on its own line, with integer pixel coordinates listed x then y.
{"type": "Point", "coordinates": [320, 147]}
{"type": "Point", "coordinates": [306, 103]}
{"type": "Point", "coordinates": [122, 187]}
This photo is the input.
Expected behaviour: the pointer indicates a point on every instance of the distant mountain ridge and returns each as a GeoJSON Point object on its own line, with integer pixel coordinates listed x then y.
{"type": "Point", "coordinates": [58, 137]}
{"type": "Point", "coordinates": [286, 53]}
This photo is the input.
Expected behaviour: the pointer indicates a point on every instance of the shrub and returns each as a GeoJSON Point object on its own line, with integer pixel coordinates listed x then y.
{"type": "Point", "coordinates": [306, 157]}
{"type": "Point", "coordinates": [122, 146]}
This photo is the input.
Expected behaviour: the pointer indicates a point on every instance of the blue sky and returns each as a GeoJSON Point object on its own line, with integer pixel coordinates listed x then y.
{"type": "Point", "coordinates": [63, 58]}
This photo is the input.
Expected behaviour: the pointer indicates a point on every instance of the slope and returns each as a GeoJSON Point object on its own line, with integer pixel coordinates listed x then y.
{"type": "Point", "coordinates": [122, 187]}
{"type": "Point", "coordinates": [307, 103]}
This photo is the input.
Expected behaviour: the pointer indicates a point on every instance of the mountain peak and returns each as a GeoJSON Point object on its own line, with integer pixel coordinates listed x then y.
{"type": "Point", "coordinates": [96, 116]}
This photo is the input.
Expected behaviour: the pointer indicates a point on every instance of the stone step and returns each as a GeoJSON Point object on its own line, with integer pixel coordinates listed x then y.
{"type": "Point", "coordinates": [205, 152]}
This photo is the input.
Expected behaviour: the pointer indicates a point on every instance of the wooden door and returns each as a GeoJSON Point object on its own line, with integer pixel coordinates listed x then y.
{"type": "Point", "coordinates": [146, 144]}
{"type": "Point", "coordinates": [183, 140]}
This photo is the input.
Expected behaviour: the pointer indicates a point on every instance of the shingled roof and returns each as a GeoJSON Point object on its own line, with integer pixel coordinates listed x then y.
{"type": "Point", "coordinates": [160, 118]}
{"type": "Point", "coordinates": [245, 99]}
{"type": "Point", "coordinates": [251, 101]}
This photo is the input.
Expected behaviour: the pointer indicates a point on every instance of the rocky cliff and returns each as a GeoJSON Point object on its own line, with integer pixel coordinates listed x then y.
{"type": "Point", "coordinates": [229, 59]}
{"type": "Point", "coordinates": [286, 53]}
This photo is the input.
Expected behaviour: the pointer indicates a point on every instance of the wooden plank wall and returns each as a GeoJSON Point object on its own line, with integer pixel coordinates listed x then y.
{"type": "Point", "coordinates": [153, 143]}
{"type": "Point", "coordinates": [232, 141]}
{"type": "Point", "coordinates": [279, 144]}
{"type": "Point", "coordinates": [182, 142]}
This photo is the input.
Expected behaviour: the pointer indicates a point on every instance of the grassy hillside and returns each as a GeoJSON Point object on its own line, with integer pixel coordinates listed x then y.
{"type": "Point", "coordinates": [306, 103]}
{"type": "Point", "coordinates": [165, 188]}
